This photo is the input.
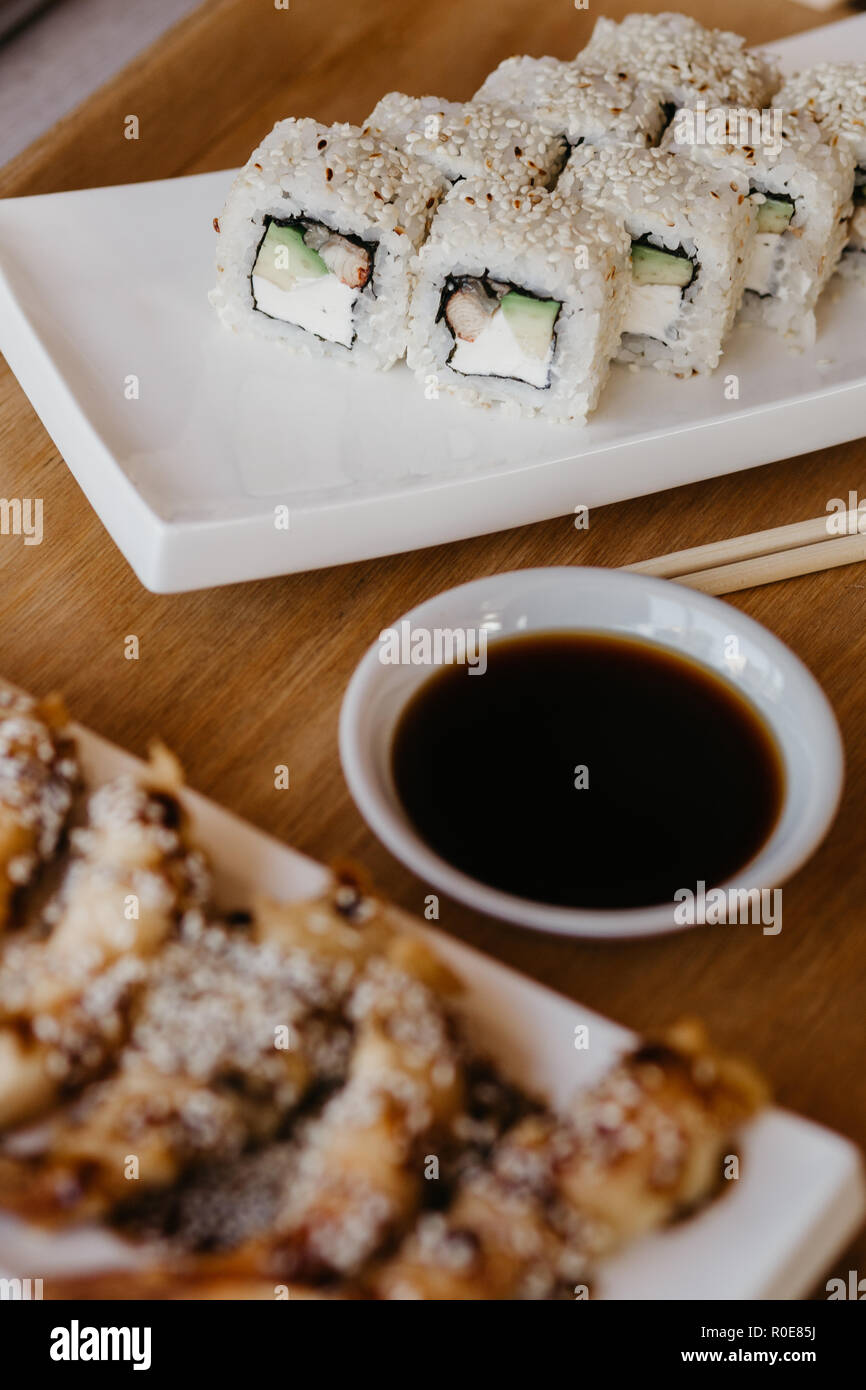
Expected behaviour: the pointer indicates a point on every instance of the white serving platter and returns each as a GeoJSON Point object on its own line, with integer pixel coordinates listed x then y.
{"type": "Point", "coordinates": [801, 1194]}
{"type": "Point", "coordinates": [105, 285]}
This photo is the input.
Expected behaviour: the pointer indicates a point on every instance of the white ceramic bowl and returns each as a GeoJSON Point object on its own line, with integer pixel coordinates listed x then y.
{"type": "Point", "coordinates": [614, 601]}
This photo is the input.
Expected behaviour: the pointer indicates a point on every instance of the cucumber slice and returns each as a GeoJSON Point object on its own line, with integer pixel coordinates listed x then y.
{"type": "Point", "coordinates": [284, 258]}
{"type": "Point", "coordinates": [531, 321]}
{"type": "Point", "coordinates": [651, 265]}
{"type": "Point", "coordinates": [774, 215]}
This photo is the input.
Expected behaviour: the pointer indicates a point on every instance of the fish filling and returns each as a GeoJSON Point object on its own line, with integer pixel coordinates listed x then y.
{"type": "Point", "coordinates": [659, 279]}
{"type": "Point", "coordinates": [499, 329]}
{"type": "Point", "coordinates": [307, 274]}
{"type": "Point", "coordinates": [773, 220]}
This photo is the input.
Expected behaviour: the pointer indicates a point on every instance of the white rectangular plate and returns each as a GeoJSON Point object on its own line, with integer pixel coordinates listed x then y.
{"type": "Point", "coordinates": [106, 285]}
{"type": "Point", "coordinates": [800, 1195]}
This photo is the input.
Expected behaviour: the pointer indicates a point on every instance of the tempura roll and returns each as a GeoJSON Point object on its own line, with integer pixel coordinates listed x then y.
{"type": "Point", "coordinates": [38, 775]}
{"type": "Point", "coordinates": [234, 1023]}
{"type": "Point", "coordinates": [644, 1146]}
{"type": "Point", "coordinates": [65, 998]}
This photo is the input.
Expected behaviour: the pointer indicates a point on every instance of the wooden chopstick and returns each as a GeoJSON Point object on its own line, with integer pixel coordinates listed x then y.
{"type": "Point", "coordinates": [762, 557]}
{"type": "Point", "coordinates": [786, 564]}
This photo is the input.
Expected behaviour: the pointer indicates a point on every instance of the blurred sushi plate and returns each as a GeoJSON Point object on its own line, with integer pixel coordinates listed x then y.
{"type": "Point", "coordinates": [800, 1196]}
{"type": "Point", "coordinates": [211, 459]}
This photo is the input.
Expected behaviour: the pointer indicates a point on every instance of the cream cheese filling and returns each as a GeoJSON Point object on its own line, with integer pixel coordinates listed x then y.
{"type": "Point", "coordinates": [760, 269]}
{"type": "Point", "coordinates": [323, 306]}
{"type": "Point", "coordinates": [496, 352]}
{"type": "Point", "coordinates": [652, 309]}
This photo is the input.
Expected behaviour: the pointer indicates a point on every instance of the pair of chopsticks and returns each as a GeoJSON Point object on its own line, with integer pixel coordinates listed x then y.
{"type": "Point", "coordinates": [783, 552]}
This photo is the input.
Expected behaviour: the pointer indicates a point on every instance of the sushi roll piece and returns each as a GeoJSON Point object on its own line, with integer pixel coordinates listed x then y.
{"type": "Point", "coordinates": [690, 234]}
{"type": "Point", "coordinates": [199, 1076]}
{"type": "Point", "coordinates": [316, 238]}
{"type": "Point", "coordinates": [801, 189]}
{"type": "Point", "coordinates": [65, 997]}
{"type": "Point", "coordinates": [196, 1072]}
{"type": "Point", "coordinates": [683, 60]}
{"type": "Point", "coordinates": [359, 1180]}
{"type": "Point", "coordinates": [833, 96]}
{"type": "Point", "coordinates": [469, 139]}
{"type": "Point", "coordinates": [561, 1194]}
{"type": "Point", "coordinates": [586, 105]}
{"type": "Point", "coordinates": [518, 300]}
{"type": "Point", "coordinates": [38, 776]}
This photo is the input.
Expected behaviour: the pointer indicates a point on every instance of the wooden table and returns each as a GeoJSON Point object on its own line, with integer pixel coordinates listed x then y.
{"type": "Point", "coordinates": [242, 678]}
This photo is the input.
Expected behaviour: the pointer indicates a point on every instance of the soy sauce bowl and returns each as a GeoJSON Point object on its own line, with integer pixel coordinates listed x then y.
{"type": "Point", "coordinates": [617, 604]}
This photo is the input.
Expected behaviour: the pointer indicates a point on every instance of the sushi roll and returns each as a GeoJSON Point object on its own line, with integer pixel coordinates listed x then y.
{"type": "Point", "coordinates": [801, 189]}
{"type": "Point", "coordinates": [559, 1195]}
{"type": "Point", "coordinates": [690, 233]}
{"type": "Point", "coordinates": [518, 300]}
{"type": "Point", "coordinates": [683, 60]}
{"type": "Point", "coordinates": [587, 105]}
{"type": "Point", "coordinates": [833, 96]}
{"type": "Point", "coordinates": [469, 139]}
{"type": "Point", "coordinates": [65, 996]}
{"type": "Point", "coordinates": [316, 238]}
{"type": "Point", "coordinates": [38, 776]}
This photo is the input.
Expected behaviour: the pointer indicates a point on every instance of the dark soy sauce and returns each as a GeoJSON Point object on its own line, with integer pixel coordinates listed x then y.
{"type": "Point", "coordinates": [685, 782]}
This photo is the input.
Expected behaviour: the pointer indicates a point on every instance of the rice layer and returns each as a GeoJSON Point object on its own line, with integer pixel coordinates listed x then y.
{"type": "Point", "coordinates": [588, 105]}
{"type": "Point", "coordinates": [683, 60]}
{"type": "Point", "coordinates": [469, 139]}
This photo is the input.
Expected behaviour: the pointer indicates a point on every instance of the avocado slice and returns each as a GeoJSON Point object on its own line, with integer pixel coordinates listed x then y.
{"type": "Point", "coordinates": [775, 214]}
{"type": "Point", "coordinates": [652, 265]}
{"type": "Point", "coordinates": [284, 258]}
{"type": "Point", "coordinates": [531, 321]}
